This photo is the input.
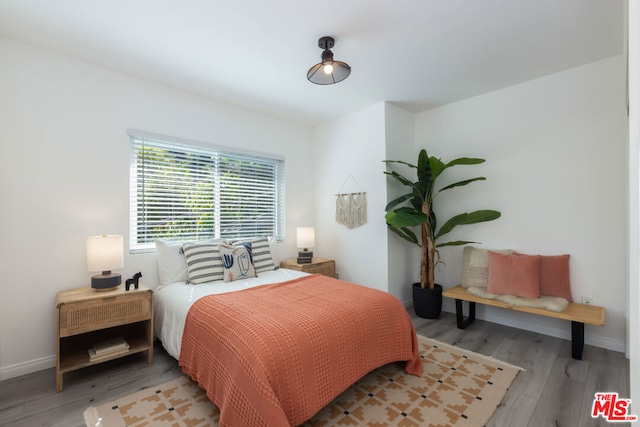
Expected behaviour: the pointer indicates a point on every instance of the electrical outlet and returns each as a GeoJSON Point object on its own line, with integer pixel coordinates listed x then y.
{"type": "Point", "coordinates": [587, 300]}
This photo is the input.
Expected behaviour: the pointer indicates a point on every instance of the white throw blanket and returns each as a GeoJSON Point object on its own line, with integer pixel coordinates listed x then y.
{"type": "Point", "coordinates": [556, 304]}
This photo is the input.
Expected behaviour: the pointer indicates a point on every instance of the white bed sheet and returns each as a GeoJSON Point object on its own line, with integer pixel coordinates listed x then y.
{"type": "Point", "coordinates": [172, 302]}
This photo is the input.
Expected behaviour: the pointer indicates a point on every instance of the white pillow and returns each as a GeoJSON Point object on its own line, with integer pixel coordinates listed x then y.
{"type": "Point", "coordinates": [172, 266]}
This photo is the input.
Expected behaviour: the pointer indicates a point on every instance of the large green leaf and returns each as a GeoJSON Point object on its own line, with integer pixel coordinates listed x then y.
{"type": "Point", "coordinates": [459, 161]}
{"type": "Point", "coordinates": [405, 217]}
{"type": "Point", "coordinates": [465, 161]}
{"type": "Point", "coordinates": [401, 162]}
{"type": "Point", "coordinates": [432, 223]}
{"type": "Point", "coordinates": [425, 176]}
{"type": "Point", "coordinates": [456, 243]}
{"type": "Point", "coordinates": [403, 180]}
{"type": "Point", "coordinates": [392, 204]}
{"type": "Point", "coordinates": [412, 236]}
{"type": "Point", "coordinates": [437, 166]}
{"type": "Point", "coordinates": [416, 202]}
{"type": "Point", "coordinates": [406, 234]}
{"type": "Point", "coordinates": [467, 218]}
{"type": "Point", "coordinates": [461, 183]}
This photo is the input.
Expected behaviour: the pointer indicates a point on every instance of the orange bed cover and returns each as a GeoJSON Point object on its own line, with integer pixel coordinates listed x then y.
{"type": "Point", "coordinates": [274, 355]}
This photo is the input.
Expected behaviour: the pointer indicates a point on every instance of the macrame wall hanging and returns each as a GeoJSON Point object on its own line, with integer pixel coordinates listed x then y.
{"type": "Point", "coordinates": [351, 208]}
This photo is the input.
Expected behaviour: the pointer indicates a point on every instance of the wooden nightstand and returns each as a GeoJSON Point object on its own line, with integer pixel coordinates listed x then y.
{"type": "Point", "coordinates": [317, 265]}
{"type": "Point", "coordinates": [85, 317]}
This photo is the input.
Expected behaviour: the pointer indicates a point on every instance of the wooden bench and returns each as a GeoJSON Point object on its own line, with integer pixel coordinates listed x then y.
{"type": "Point", "coordinates": [578, 314]}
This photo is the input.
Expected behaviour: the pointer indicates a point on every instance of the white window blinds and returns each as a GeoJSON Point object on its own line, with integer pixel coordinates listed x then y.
{"type": "Point", "coordinates": [188, 192]}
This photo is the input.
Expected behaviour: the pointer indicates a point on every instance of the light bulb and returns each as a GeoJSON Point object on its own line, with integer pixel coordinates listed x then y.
{"type": "Point", "coordinates": [328, 69]}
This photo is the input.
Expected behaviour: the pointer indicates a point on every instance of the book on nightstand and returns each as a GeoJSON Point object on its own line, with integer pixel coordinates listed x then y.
{"type": "Point", "coordinates": [106, 349]}
{"type": "Point", "coordinates": [110, 346]}
{"type": "Point", "coordinates": [93, 357]}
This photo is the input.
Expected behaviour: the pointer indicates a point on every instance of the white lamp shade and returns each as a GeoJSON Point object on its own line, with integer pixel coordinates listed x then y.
{"type": "Point", "coordinates": [306, 237]}
{"type": "Point", "coordinates": [104, 253]}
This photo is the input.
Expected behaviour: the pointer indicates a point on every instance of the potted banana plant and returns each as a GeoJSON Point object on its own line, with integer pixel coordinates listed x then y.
{"type": "Point", "coordinates": [416, 209]}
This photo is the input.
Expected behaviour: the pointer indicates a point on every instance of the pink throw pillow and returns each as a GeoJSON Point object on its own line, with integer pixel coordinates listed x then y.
{"type": "Point", "coordinates": [514, 275]}
{"type": "Point", "coordinates": [554, 276]}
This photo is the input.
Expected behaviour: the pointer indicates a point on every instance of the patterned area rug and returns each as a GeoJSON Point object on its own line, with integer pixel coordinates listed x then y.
{"type": "Point", "coordinates": [457, 388]}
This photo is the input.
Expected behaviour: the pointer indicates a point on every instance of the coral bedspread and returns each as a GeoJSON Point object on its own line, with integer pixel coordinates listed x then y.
{"type": "Point", "coordinates": [274, 355]}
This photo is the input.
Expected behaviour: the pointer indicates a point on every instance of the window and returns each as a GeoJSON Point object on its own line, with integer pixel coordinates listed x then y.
{"type": "Point", "coordinates": [185, 191]}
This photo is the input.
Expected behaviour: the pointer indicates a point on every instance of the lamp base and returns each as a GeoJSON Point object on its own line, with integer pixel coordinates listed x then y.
{"type": "Point", "coordinates": [305, 257]}
{"type": "Point", "coordinates": [106, 282]}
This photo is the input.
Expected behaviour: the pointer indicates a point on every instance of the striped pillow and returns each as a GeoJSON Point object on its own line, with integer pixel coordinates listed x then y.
{"type": "Point", "coordinates": [203, 261]}
{"type": "Point", "coordinates": [262, 259]}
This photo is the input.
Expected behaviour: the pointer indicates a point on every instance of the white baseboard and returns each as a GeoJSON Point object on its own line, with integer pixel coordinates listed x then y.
{"type": "Point", "coordinates": [28, 367]}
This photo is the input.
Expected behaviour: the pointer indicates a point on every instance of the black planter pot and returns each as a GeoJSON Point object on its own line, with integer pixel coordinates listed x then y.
{"type": "Point", "coordinates": [427, 303]}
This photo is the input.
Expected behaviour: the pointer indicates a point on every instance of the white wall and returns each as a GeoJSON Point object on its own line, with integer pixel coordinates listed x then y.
{"type": "Point", "coordinates": [64, 175]}
{"type": "Point", "coordinates": [556, 169]}
{"type": "Point", "coordinates": [554, 149]}
{"type": "Point", "coordinates": [402, 256]}
{"type": "Point", "coordinates": [352, 145]}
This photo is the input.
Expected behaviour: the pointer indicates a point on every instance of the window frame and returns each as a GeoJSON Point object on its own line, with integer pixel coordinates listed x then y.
{"type": "Point", "coordinates": [222, 155]}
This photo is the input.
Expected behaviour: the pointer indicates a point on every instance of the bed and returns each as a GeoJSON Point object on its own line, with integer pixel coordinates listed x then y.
{"type": "Point", "coordinates": [274, 349]}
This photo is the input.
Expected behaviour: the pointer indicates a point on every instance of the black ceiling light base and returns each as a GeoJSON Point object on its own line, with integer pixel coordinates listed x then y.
{"type": "Point", "coordinates": [326, 42]}
{"type": "Point", "coordinates": [328, 71]}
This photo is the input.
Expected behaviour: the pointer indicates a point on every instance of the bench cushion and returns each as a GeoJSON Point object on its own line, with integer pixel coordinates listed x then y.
{"type": "Point", "coordinates": [555, 304]}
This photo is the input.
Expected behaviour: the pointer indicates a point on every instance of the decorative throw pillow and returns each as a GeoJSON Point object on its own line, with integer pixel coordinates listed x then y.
{"type": "Point", "coordinates": [475, 267]}
{"type": "Point", "coordinates": [238, 262]}
{"type": "Point", "coordinates": [554, 276]}
{"type": "Point", "coordinates": [261, 251]}
{"type": "Point", "coordinates": [203, 261]}
{"type": "Point", "coordinates": [514, 275]}
{"type": "Point", "coordinates": [172, 266]}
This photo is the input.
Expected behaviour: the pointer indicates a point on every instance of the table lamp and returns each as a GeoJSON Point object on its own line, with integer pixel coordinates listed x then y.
{"type": "Point", "coordinates": [306, 238]}
{"type": "Point", "coordinates": [105, 253]}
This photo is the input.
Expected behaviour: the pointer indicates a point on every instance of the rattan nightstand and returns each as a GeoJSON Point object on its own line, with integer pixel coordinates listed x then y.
{"type": "Point", "coordinates": [317, 265]}
{"type": "Point", "coordinates": [85, 317]}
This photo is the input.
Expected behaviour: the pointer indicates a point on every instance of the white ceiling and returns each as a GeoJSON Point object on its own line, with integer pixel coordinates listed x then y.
{"type": "Point", "coordinates": [255, 53]}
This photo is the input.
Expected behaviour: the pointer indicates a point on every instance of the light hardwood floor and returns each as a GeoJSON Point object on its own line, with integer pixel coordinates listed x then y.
{"type": "Point", "coordinates": [555, 390]}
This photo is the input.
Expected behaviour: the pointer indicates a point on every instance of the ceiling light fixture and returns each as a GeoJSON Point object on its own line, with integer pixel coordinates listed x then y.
{"type": "Point", "coordinates": [328, 71]}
